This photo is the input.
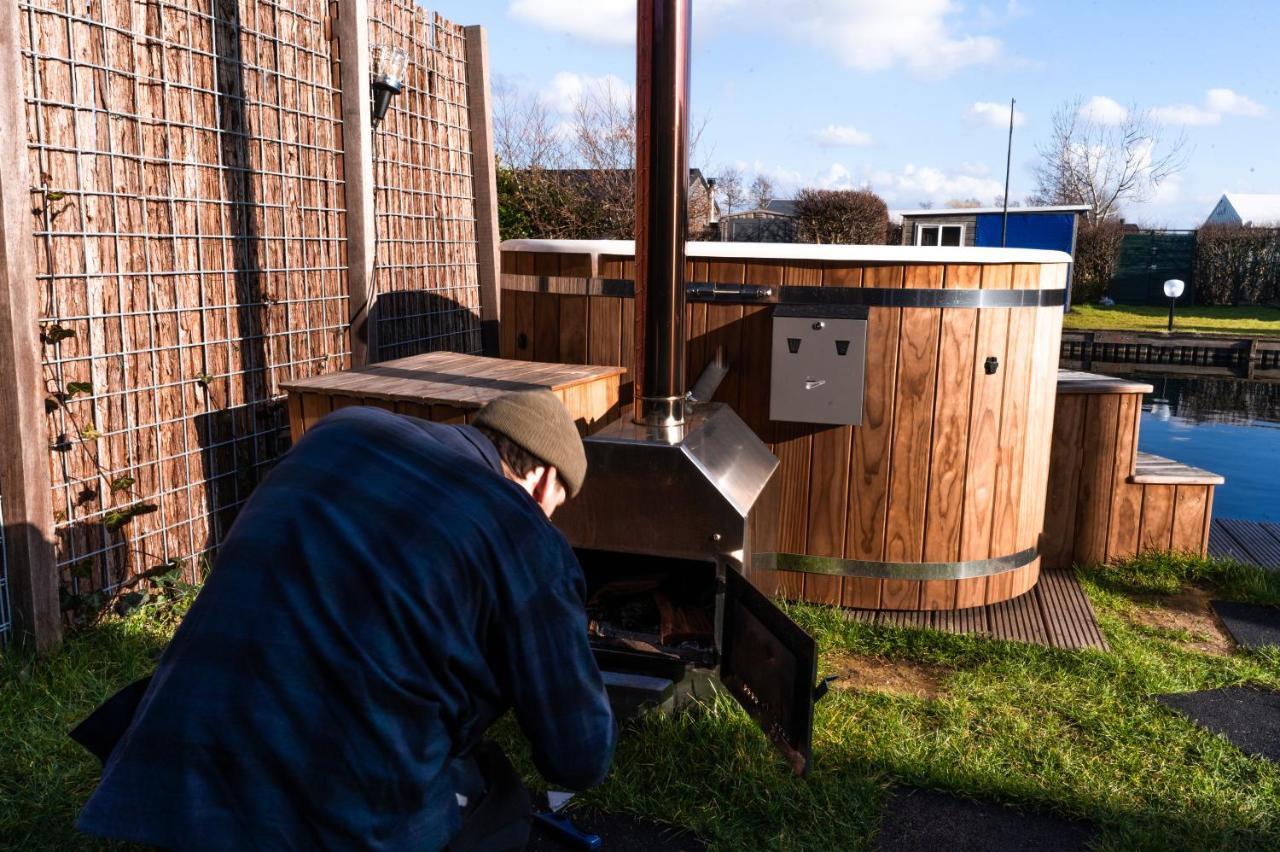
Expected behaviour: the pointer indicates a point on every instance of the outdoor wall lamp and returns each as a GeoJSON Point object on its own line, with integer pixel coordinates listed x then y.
{"type": "Point", "coordinates": [1173, 289]}
{"type": "Point", "coordinates": [386, 77]}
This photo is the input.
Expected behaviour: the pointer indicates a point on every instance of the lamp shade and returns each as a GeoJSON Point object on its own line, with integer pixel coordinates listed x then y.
{"type": "Point", "coordinates": [1173, 288]}
{"type": "Point", "coordinates": [388, 66]}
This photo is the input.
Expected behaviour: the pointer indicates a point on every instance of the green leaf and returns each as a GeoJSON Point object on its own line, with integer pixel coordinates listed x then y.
{"type": "Point", "coordinates": [82, 569]}
{"type": "Point", "coordinates": [74, 388]}
{"type": "Point", "coordinates": [55, 196]}
{"type": "Point", "coordinates": [90, 432]}
{"type": "Point", "coordinates": [204, 379]}
{"type": "Point", "coordinates": [131, 602]}
{"type": "Point", "coordinates": [123, 483]}
{"type": "Point", "coordinates": [117, 518]}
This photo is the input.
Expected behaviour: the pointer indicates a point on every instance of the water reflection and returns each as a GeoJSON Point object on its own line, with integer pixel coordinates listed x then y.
{"type": "Point", "coordinates": [1226, 425]}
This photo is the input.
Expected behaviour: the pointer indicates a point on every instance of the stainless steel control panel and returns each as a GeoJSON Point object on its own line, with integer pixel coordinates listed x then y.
{"type": "Point", "coordinates": [819, 363]}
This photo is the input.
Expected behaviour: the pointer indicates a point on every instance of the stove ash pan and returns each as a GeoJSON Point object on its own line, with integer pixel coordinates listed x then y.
{"type": "Point", "coordinates": [696, 501]}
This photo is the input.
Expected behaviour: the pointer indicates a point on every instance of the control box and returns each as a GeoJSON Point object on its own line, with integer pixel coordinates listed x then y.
{"type": "Point", "coordinates": [819, 364]}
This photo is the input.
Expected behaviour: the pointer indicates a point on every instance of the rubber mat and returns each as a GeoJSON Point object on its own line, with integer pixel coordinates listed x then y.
{"type": "Point", "coordinates": [1249, 718]}
{"type": "Point", "coordinates": [1251, 625]}
{"type": "Point", "coordinates": [917, 820]}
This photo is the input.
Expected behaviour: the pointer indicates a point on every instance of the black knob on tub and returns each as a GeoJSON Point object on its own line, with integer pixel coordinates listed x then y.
{"type": "Point", "coordinates": [991, 365]}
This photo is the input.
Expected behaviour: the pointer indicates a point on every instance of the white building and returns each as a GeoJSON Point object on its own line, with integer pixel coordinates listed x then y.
{"type": "Point", "coordinates": [1238, 208]}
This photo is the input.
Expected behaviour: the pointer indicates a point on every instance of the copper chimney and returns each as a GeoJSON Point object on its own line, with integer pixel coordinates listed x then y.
{"type": "Point", "coordinates": [662, 187]}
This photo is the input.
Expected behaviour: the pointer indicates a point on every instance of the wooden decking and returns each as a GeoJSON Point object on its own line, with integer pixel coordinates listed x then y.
{"type": "Point", "coordinates": [1248, 541]}
{"type": "Point", "coordinates": [1055, 613]}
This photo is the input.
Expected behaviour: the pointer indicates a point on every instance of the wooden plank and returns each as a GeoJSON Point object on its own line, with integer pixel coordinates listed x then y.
{"type": "Point", "coordinates": [1064, 480]}
{"type": "Point", "coordinates": [950, 445]}
{"type": "Point", "coordinates": [869, 477]}
{"type": "Point", "coordinates": [546, 327]}
{"type": "Point", "coordinates": [828, 507]}
{"type": "Point", "coordinates": [484, 184]}
{"type": "Point", "coordinates": [1101, 428]}
{"type": "Point", "coordinates": [795, 452]}
{"type": "Point", "coordinates": [1190, 504]}
{"type": "Point", "coordinates": [724, 329]}
{"type": "Point", "coordinates": [1223, 546]}
{"type": "Point", "coordinates": [297, 426]}
{"type": "Point", "coordinates": [32, 575]}
{"type": "Point", "coordinates": [1157, 517]}
{"type": "Point", "coordinates": [604, 315]}
{"type": "Point", "coordinates": [314, 406]}
{"type": "Point", "coordinates": [1262, 547]}
{"type": "Point", "coordinates": [912, 436]}
{"type": "Point", "coordinates": [523, 325]}
{"type": "Point", "coordinates": [574, 331]}
{"type": "Point", "coordinates": [351, 28]}
{"type": "Point", "coordinates": [1126, 500]}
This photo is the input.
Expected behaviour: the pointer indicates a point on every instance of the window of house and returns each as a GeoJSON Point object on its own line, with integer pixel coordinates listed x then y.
{"type": "Point", "coordinates": [940, 235]}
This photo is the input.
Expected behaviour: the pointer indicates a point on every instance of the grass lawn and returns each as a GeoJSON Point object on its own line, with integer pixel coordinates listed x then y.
{"type": "Point", "coordinates": [1218, 320]}
{"type": "Point", "coordinates": [1069, 732]}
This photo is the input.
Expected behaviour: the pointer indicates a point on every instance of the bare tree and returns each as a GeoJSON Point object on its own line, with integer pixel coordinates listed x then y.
{"type": "Point", "coordinates": [1105, 165]}
{"type": "Point", "coordinates": [962, 203]}
{"type": "Point", "coordinates": [761, 191]}
{"type": "Point", "coordinates": [729, 189]}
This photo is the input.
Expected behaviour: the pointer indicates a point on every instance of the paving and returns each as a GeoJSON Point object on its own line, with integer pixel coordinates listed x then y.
{"type": "Point", "coordinates": [1250, 625]}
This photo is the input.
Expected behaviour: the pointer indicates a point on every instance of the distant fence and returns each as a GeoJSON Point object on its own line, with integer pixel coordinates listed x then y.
{"type": "Point", "coordinates": [1148, 259]}
{"type": "Point", "coordinates": [191, 228]}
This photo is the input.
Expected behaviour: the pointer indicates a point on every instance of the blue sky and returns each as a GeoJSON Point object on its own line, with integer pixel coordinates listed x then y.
{"type": "Point", "coordinates": [911, 96]}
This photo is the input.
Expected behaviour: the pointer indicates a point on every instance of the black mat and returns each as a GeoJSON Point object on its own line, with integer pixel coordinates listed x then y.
{"type": "Point", "coordinates": [1251, 625]}
{"type": "Point", "coordinates": [923, 819]}
{"type": "Point", "coordinates": [621, 833]}
{"type": "Point", "coordinates": [1249, 718]}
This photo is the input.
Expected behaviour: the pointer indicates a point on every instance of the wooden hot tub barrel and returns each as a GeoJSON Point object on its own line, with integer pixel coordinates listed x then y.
{"type": "Point", "coordinates": [937, 500]}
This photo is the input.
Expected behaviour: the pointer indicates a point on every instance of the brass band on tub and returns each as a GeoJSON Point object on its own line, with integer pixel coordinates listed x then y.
{"type": "Point", "coordinates": [752, 294]}
{"type": "Point", "coordinates": [837, 567]}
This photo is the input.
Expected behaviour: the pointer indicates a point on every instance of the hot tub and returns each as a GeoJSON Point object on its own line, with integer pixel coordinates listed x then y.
{"type": "Point", "coordinates": [935, 497]}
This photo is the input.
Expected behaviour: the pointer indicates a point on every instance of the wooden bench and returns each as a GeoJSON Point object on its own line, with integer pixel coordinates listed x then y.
{"type": "Point", "coordinates": [449, 388]}
{"type": "Point", "coordinates": [1107, 500]}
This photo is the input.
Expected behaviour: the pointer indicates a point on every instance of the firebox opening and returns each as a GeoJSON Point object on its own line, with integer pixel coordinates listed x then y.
{"type": "Point", "coordinates": [651, 605]}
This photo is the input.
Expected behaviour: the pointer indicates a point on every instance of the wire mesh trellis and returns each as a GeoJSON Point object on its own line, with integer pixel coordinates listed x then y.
{"type": "Point", "coordinates": [6, 620]}
{"type": "Point", "coordinates": [189, 218]}
{"type": "Point", "coordinates": [426, 276]}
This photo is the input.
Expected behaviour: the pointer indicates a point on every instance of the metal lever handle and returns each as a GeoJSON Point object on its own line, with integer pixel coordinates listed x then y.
{"type": "Point", "coordinates": [823, 687]}
{"type": "Point", "coordinates": [811, 384]}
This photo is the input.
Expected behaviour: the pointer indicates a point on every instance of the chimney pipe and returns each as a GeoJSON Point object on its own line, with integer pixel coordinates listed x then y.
{"type": "Point", "coordinates": [662, 187]}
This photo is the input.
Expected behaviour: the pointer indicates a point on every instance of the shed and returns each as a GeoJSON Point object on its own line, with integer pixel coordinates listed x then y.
{"type": "Point", "coordinates": [773, 222]}
{"type": "Point", "coordinates": [1052, 227]}
{"type": "Point", "coordinates": [1239, 208]}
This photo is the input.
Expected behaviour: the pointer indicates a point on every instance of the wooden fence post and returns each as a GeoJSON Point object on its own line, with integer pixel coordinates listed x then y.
{"type": "Point", "coordinates": [352, 31]}
{"type": "Point", "coordinates": [24, 444]}
{"type": "Point", "coordinates": [484, 186]}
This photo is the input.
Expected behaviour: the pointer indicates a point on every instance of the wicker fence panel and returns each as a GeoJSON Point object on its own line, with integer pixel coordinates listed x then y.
{"type": "Point", "coordinates": [189, 219]}
{"type": "Point", "coordinates": [426, 281]}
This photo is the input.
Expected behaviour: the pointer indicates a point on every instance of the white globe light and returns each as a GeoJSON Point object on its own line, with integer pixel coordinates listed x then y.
{"type": "Point", "coordinates": [1173, 288]}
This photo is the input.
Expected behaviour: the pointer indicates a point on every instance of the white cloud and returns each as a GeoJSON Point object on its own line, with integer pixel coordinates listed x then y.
{"type": "Point", "coordinates": [912, 185]}
{"type": "Point", "coordinates": [567, 89]}
{"type": "Point", "coordinates": [1229, 103]}
{"type": "Point", "coordinates": [838, 136]}
{"type": "Point", "coordinates": [601, 21]}
{"type": "Point", "coordinates": [866, 35]}
{"type": "Point", "coordinates": [1103, 110]}
{"type": "Point", "coordinates": [1185, 114]}
{"type": "Point", "coordinates": [994, 115]}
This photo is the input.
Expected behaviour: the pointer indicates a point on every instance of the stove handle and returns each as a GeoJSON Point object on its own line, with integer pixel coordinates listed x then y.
{"type": "Point", "coordinates": [823, 687]}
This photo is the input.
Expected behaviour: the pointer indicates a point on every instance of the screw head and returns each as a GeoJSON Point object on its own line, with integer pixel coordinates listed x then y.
{"type": "Point", "coordinates": [715, 536]}
{"type": "Point", "coordinates": [819, 325]}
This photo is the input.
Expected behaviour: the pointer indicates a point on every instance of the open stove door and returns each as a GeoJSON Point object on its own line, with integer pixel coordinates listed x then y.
{"type": "Point", "coordinates": [770, 665]}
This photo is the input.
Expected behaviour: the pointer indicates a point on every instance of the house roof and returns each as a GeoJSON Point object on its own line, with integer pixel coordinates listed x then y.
{"type": "Point", "coordinates": [775, 206]}
{"type": "Point", "coordinates": [971, 211]}
{"type": "Point", "coordinates": [1258, 208]}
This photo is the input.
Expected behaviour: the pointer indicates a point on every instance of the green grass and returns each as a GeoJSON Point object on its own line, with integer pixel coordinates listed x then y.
{"type": "Point", "coordinates": [1244, 321]}
{"type": "Point", "coordinates": [1073, 733]}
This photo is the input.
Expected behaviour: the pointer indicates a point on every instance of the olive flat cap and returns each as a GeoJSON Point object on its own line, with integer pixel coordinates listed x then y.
{"type": "Point", "coordinates": [538, 422]}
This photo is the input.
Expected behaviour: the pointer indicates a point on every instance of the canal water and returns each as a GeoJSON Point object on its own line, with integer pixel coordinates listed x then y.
{"type": "Point", "coordinates": [1227, 425]}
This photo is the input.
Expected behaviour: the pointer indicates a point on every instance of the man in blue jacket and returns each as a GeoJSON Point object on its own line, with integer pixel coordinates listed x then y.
{"type": "Point", "coordinates": [390, 589]}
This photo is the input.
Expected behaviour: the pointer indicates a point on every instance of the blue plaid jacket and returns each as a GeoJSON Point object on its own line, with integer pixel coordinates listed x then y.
{"type": "Point", "coordinates": [383, 597]}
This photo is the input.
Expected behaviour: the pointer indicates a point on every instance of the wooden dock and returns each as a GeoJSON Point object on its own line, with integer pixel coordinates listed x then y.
{"type": "Point", "coordinates": [1056, 613]}
{"type": "Point", "coordinates": [1247, 541]}
{"type": "Point", "coordinates": [1248, 357]}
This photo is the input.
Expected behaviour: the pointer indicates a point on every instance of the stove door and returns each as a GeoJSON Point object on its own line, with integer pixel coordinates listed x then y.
{"type": "Point", "coordinates": [769, 664]}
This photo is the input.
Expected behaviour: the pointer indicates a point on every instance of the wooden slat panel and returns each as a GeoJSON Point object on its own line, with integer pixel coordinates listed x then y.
{"type": "Point", "coordinates": [1064, 480]}
{"type": "Point", "coordinates": [950, 446]}
{"type": "Point", "coordinates": [314, 406]}
{"type": "Point", "coordinates": [1190, 504]}
{"type": "Point", "coordinates": [1157, 517]}
{"type": "Point", "coordinates": [724, 329]}
{"type": "Point", "coordinates": [1259, 540]}
{"type": "Point", "coordinates": [1094, 501]}
{"type": "Point", "coordinates": [1040, 415]}
{"type": "Point", "coordinates": [297, 423]}
{"type": "Point", "coordinates": [506, 325]}
{"type": "Point", "coordinates": [546, 327]}
{"type": "Point", "coordinates": [828, 510]}
{"type": "Point", "coordinates": [603, 330]}
{"type": "Point", "coordinates": [627, 350]}
{"type": "Point", "coordinates": [869, 485]}
{"type": "Point", "coordinates": [522, 318]}
{"type": "Point", "coordinates": [912, 436]}
{"type": "Point", "coordinates": [573, 330]}
{"type": "Point", "coordinates": [697, 355]}
{"type": "Point", "coordinates": [1126, 500]}
{"type": "Point", "coordinates": [795, 452]}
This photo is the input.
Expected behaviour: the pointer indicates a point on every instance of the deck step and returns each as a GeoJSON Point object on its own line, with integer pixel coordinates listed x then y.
{"type": "Point", "coordinates": [1150, 469]}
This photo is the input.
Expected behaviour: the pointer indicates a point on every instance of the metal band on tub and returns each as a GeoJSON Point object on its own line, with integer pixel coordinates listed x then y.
{"type": "Point", "coordinates": [837, 567]}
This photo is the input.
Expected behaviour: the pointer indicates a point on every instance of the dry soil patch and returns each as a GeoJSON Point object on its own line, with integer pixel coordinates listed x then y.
{"type": "Point", "coordinates": [1188, 611]}
{"type": "Point", "coordinates": [896, 677]}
